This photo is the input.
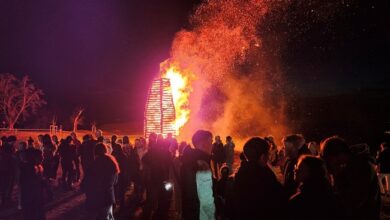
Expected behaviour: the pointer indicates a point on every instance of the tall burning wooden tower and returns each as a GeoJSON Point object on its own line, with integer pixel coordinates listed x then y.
{"type": "Point", "coordinates": [160, 110]}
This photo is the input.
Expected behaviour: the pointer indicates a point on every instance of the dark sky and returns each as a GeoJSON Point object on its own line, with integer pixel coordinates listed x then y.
{"type": "Point", "coordinates": [102, 54]}
{"type": "Point", "coordinates": [99, 54]}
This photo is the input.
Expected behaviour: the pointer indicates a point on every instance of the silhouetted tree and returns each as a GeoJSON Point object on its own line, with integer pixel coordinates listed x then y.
{"type": "Point", "coordinates": [18, 98]}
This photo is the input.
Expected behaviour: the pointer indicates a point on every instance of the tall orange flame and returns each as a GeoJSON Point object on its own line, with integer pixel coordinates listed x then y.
{"type": "Point", "coordinates": [181, 90]}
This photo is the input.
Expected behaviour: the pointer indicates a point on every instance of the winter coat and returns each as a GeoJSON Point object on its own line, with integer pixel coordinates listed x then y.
{"type": "Point", "coordinates": [99, 184]}
{"type": "Point", "coordinates": [190, 199]}
{"type": "Point", "coordinates": [218, 153]}
{"type": "Point", "coordinates": [204, 185]}
{"type": "Point", "coordinates": [258, 193]}
{"type": "Point", "coordinates": [316, 200]}
{"type": "Point", "coordinates": [358, 188]}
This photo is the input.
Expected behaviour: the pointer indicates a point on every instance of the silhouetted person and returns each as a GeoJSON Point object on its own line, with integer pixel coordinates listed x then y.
{"type": "Point", "coordinates": [273, 153]}
{"type": "Point", "coordinates": [229, 152]}
{"type": "Point", "coordinates": [384, 168]}
{"type": "Point", "coordinates": [354, 177]}
{"type": "Point", "coordinates": [100, 183]}
{"type": "Point", "coordinates": [314, 148]}
{"type": "Point", "coordinates": [87, 153]}
{"type": "Point", "coordinates": [126, 146]}
{"type": "Point", "coordinates": [315, 198]}
{"type": "Point", "coordinates": [259, 195]}
{"type": "Point", "coordinates": [35, 153]}
{"type": "Point", "coordinates": [67, 152]}
{"type": "Point", "coordinates": [218, 155]}
{"type": "Point", "coordinates": [8, 170]}
{"type": "Point", "coordinates": [157, 163]}
{"type": "Point", "coordinates": [120, 187]}
{"type": "Point", "coordinates": [173, 144]}
{"type": "Point", "coordinates": [134, 174]}
{"type": "Point", "coordinates": [21, 157]}
{"type": "Point", "coordinates": [56, 159]}
{"type": "Point", "coordinates": [224, 191]}
{"type": "Point", "coordinates": [194, 160]}
{"type": "Point", "coordinates": [40, 141]}
{"type": "Point", "coordinates": [3, 141]}
{"type": "Point", "coordinates": [48, 149]}
{"type": "Point", "coordinates": [294, 146]}
{"type": "Point", "coordinates": [77, 145]}
{"type": "Point", "coordinates": [141, 149]}
{"type": "Point", "coordinates": [31, 184]}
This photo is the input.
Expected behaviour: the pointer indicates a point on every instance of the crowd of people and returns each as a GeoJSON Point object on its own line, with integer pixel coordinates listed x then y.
{"type": "Point", "coordinates": [201, 179]}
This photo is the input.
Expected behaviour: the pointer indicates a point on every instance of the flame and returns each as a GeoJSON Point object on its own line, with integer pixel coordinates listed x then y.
{"type": "Point", "coordinates": [181, 89]}
{"type": "Point", "coordinates": [222, 76]}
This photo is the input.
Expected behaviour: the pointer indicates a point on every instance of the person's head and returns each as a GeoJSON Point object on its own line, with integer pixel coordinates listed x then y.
{"type": "Point", "coordinates": [335, 152]}
{"type": "Point", "coordinates": [229, 139]}
{"type": "Point", "coordinates": [152, 138]}
{"type": "Point", "coordinates": [137, 142]}
{"type": "Point", "coordinates": [68, 139]}
{"type": "Point", "coordinates": [54, 138]}
{"type": "Point", "coordinates": [225, 172]}
{"type": "Point", "coordinates": [116, 147]}
{"type": "Point", "coordinates": [160, 138]}
{"type": "Point", "coordinates": [270, 141]}
{"type": "Point", "coordinates": [86, 138]}
{"type": "Point", "coordinates": [203, 140]}
{"type": "Point", "coordinates": [217, 139]}
{"type": "Point", "coordinates": [98, 134]}
{"type": "Point", "coordinates": [256, 150]}
{"type": "Point", "coordinates": [46, 140]}
{"type": "Point", "coordinates": [292, 144]}
{"type": "Point", "coordinates": [113, 139]}
{"type": "Point", "coordinates": [126, 140]}
{"type": "Point", "coordinates": [142, 141]}
{"type": "Point", "coordinates": [313, 147]}
{"type": "Point", "coordinates": [40, 138]}
{"type": "Point", "coordinates": [11, 140]}
{"type": "Point", "coordinates": [30, 141]}
{"type": "Point", "coordinates": [22, 146]}
{"type": "Point", "coordinates": [100, 149]}
{"type": "Point", "coordinates": [169, 136]}
{"type": "Point", "coordinates": [310, 169]}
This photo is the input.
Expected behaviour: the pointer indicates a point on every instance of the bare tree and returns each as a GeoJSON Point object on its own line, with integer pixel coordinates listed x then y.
{"type": "Point", "coordinates": [18, 98]}
{"type": "Point", "coordinates": [77, 118]}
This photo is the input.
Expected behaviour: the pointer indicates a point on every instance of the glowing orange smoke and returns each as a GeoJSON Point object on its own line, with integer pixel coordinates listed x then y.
{"type": "Point", "coordinates": [222, 79]}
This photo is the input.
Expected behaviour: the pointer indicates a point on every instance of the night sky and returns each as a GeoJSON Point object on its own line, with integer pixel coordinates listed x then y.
{"type": "Point", "coordinates": [102, 54]}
